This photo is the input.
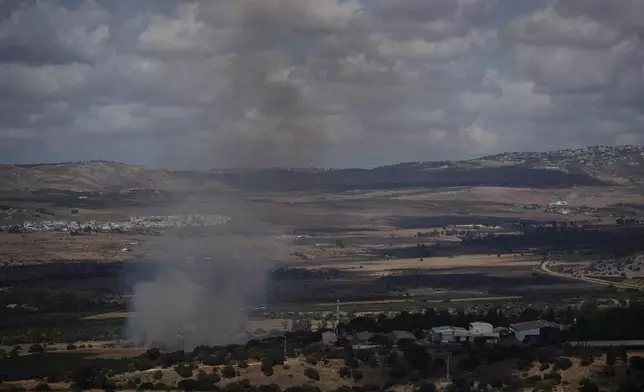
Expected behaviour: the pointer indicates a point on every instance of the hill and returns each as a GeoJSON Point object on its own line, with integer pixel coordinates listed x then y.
{"type": "Point", "coordinates": [103, 177]}
{"type": "Point", "coordinates": [591, 166]}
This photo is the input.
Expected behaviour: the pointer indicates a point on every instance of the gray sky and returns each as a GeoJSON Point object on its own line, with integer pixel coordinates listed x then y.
{"type": "Point", "coordinates": [315, 82]}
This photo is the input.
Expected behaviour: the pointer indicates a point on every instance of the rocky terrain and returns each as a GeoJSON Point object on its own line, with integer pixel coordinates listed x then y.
{"type": "Point", "coordinates": [590, 166]}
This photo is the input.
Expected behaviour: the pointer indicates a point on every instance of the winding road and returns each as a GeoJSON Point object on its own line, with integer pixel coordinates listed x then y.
{"type": "Point", "coordinates": [543, 267]}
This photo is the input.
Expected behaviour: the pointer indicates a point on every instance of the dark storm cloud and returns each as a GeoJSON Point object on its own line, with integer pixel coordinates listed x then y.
{"type": "Point", "coordinates": [324, 82]}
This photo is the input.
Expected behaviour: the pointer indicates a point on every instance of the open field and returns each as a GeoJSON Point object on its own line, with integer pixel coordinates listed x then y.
{"type": "Point", "coordinates": [379, 250]}
{"type": "Point", "coordinates": [463, 261]}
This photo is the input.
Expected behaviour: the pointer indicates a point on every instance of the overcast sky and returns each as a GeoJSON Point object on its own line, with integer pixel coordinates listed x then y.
{"type": "Point", "coordinates": [331, 83]}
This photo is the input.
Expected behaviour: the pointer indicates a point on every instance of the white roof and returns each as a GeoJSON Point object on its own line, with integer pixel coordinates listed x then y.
{"type": "Point", "coordinates": [447, 328]}
{"type": "Point", "coordinates": [481, 324]}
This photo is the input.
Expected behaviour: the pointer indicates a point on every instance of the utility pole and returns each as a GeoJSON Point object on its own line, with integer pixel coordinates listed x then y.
{"type": "Point", "coordinates": [447, 356]}
{"type": "Point", "coordinates": [337, 315]}
{"type": "Point", "coordinates": [285, 346]}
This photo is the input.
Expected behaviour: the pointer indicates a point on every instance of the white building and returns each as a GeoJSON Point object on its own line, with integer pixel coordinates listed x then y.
{"type": "Point", "coordinates": [329, 338]}
{"type": "Point", "coordinates": [532, 329]}
{"type": "Point", "coordinates": [448, 334]}
{"type": "Point", "coordinates": [481, 328]}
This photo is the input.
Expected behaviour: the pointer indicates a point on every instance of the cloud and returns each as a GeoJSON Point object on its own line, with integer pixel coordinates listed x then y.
{"type": "Point", "coordinates": [323, 82]}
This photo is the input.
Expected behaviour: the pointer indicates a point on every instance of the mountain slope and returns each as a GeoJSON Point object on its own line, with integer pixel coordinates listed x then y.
{"type": "Point", "coordinates": [592, 166]}
{"type": "Point", "coordinates": [102, 176]}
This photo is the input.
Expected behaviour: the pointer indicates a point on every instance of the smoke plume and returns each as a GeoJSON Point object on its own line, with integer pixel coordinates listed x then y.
{"type": "Point", "coordinates": [266, 114]}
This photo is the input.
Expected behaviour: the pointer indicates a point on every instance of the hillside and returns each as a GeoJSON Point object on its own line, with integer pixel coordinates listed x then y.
{"type": "Point", "coordinates": [591, 166]}
{"type": "Point", "coordinates": [102, 177]}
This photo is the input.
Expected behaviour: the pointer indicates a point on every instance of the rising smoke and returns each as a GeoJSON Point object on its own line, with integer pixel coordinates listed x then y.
{"type": "Point", "coordinates": [268, 115]}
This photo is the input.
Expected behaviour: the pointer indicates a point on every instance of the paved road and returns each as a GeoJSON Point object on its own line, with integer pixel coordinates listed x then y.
{"type": "Point", "coordinates": [544, 267]}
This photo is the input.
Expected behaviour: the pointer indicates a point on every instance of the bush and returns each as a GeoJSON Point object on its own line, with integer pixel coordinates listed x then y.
{"type": "Point", "coordinates": [42, 386]}
{"type": "Point", "coordinates": [357, 375]}
{"type": "Point", "coordinates": [397, 372]}
{"type": "Point", "coordinates": [36, 348]}
{"type": "Point", "coordinates": [586, 362]}
{"type": "Point", "coordinates": [554, 377]}
{"type": "Point", "coordinates": [544, 366]}
{"type": "Point", "coordinates": [344, 372]}
{"type": "Point", "coordinates": [146, 386]}
{"type": "Point", "coordinates": [71, 346]}
{"type": "Point", "coordinates": [426, 387]}
{"type": "Point", "coordinates": [183, 370]}
{"type": "Point", "coordinates": [545, 386]}
{"type": "Point", "coordinates": [160, 386]}
{"type": "Point", "coordinates": [312, 373]}
{"type": "Point", "coordinates": [563, 363]}
{"type": "Point", "coordinates": [242, 364]}
{"type": "Point", "coordinates": [588, 386]}
{"type": "Point", "coordinates": [268, 371]}
{"type": "Point", "coordinates": [228, 372]}
{"type": "Point", "coordinates": [351, 362]}
{"type": "Point", "coordinates": [187, 384]}
{"type": "Point", "coordinates": [312, 359]}
{"type": "Point", "coordinates": [158, 375]}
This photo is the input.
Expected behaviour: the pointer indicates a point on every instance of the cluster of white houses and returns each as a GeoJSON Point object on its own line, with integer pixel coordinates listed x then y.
{"type": "Point", "coordinates": [522, 332]}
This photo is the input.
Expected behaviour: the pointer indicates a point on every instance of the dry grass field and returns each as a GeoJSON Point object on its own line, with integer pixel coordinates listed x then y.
{"type": "Point", "coordinates": [382, 267]}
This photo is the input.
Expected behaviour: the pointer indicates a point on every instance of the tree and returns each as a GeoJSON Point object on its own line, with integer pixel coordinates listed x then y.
{"type": "Point", "coordinates": [588, 386]}
{"type": "Point", "coordinates": [311, 373]}
{"type": "Point", "coordinates": [228, 372]}
{"type": "Point", "coordinates": [36, 349]}
{"type": "Point", "coordinates": [563, 363]}
{"type": "Point", "coordinates": [160, 386]}
{"type": "Point", "coordinates": [637, 363]}
{"type": "Point", "coordinates": [426, 387]}
{"type": "Point", "coordinates": [187, 384]}
{"type": "Point", "coordinates": [183, 370]}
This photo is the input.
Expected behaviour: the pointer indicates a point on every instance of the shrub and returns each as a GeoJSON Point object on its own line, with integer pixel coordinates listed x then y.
{"type": "Point", "coordinates": [187, 384]}
{"type": "Point", "coordinates": [234, 387]}
{"type": "Point", "coordinates": [563, 363]}
{"type": "Point", "coordinates": [158, 375]}
{"type": "Point", "coordinates": [160, 386]}
{"type": "Point", "coordinates": [586, 361]}
{"type": "Point", "coordinates": [228, 372]}
{"type": "Point", "coordinates": [146, 386]}
{"type": "Point", "coordinates": [183, 370]}
{"type": "Point", "coordinates": [351, 362]}
{"type": "Point", "coordinates": [36, 348]}
{"type": "Point", "coordinates": [426, 387]}
{"type": "Point", "coordinates": [312, 373]}
{"type": "Point", "coordinates": [42, 386]}
{"type": "Point", "coordinates": [357, 375]}
{"type": "Point", "coordinates": [554, 377]}
{"type": "Point", "coordinates": [312, 359]}
{"type": "Point", "coordinates": [71, 346]}
{"type": "Point", "coordinates": [242, 364]}
{"type": "Point", "coordinates": [344, 372]}
{"type": "Point", "coordinates": [397, 372]}
{"type": "Point", "coordinates": [545, 386]}
{"type": "Point", "coordinates": [373, 361]}
{"type": "Point", "coordinates": [588, 386]}
{"type": "Point", "coordinates": [544, 366]}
